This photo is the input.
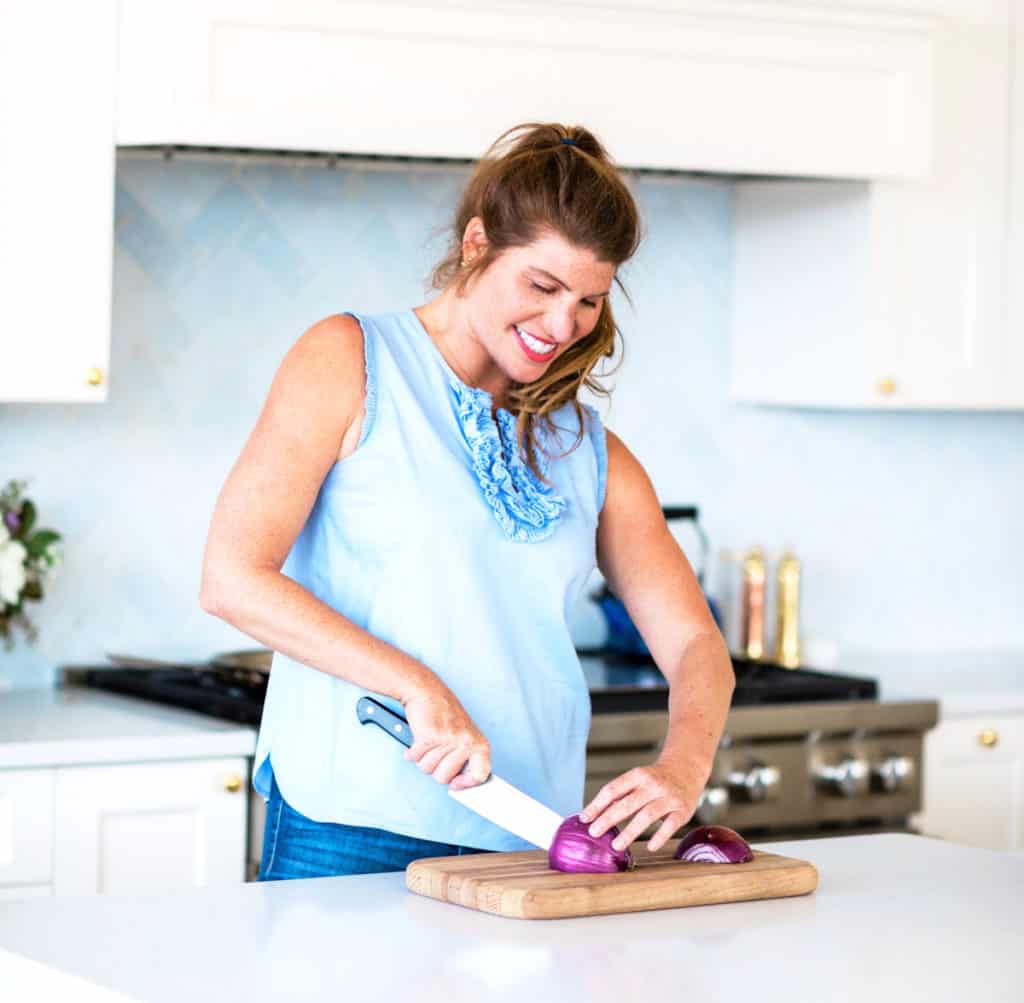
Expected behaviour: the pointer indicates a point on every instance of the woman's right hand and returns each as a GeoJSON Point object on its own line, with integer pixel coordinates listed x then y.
{"type": "Point", "coordinates": [446, 739]}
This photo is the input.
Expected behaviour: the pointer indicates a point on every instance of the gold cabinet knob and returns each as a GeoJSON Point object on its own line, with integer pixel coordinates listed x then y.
{"type": "Point", "coordinates": [988, 737]}
{"type": "Point", "coordinates": [887, 387]}
{"type": "Point", "coordinates": [233, 784]}
{"type": "Point", "coordinates": [94, 376]}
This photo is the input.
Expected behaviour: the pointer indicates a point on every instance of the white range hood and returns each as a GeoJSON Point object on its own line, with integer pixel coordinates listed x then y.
{"type": "Point", "coordinates": [767, 88]}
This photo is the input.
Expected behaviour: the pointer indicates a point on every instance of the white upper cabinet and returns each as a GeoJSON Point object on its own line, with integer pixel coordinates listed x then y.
{"type": "Point", "coordinates": [1015, 256]}
{"type": "Point", "coordinates": [889, 294]}
{"type": "Point", "coordinates": [57, 89]}
{"type": "Point", "coordinates": [778, 88]}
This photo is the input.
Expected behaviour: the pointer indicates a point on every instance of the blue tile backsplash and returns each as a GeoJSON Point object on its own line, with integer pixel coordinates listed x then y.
{"type": "Point", "coordinates": [908, 525]}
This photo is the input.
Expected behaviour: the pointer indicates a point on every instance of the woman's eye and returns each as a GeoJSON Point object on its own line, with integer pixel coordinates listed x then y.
{"type": "Point", "coordinates": [545, 289]}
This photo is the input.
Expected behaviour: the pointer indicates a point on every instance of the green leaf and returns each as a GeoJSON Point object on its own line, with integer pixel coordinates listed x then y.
{"type": "Point", "coordinates": [37, 545]}
{"type": "Point", "coordinates": [32, 590]}
{"type": "Point", "coordinates": [28, 519]}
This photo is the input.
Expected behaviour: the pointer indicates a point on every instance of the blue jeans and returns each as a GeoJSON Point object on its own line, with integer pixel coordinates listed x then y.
{"type": "Point", "coordinates": [295, 846]}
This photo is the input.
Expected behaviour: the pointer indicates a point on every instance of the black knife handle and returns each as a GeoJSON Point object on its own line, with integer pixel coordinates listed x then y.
{"type": "Point", "coordinates": [370, 711]}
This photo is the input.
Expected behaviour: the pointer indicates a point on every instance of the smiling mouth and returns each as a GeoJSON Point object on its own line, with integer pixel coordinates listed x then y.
{"type": "Point", "coordinates": [535, 349]}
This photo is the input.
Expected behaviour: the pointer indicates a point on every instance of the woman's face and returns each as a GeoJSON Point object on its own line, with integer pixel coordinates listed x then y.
{"type": "Point", "coordinates": [533, 302]}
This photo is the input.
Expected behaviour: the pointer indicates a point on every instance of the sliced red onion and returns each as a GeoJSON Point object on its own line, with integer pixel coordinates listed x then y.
{"type": "Point", "coordinates": [714, 844]}
{"type": "Point", "coordinates": [575, 851]}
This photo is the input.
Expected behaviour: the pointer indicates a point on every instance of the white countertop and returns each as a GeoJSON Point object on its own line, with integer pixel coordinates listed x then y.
{"type": "Point", "coordinates": [895, 917]}
{"type": "Point", "coordinates": [965, 683]}
{"type": "Point", "coordinates": [78, 726]}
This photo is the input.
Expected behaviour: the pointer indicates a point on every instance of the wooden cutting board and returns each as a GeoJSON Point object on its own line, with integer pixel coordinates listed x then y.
{"type": "Point", "coordinates": [522, 886]}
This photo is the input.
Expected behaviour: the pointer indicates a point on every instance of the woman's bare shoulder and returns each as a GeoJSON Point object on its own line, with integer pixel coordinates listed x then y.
{"type": "Point", "coordinates": [328, 358]}
{"type": "Point", "coordinates": [629, 485]}
{"type": "Point", "coordinates": [336, 342]}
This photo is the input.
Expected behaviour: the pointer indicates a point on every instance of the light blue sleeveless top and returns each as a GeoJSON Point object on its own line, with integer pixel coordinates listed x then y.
{"type": "Point", "coordinates": [435, 537]}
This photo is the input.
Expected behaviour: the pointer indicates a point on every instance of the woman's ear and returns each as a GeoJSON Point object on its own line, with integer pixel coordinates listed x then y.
{"type": "Point", "coordinates": [474, 239]}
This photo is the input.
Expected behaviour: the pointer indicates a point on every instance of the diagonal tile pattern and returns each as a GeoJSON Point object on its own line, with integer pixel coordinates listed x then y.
{"type": "Point", "coordinates": [220, 264]}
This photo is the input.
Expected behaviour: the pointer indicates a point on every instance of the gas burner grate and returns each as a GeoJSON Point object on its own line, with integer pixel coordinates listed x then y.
{"type": "Point", "coordinates": [633, 682]}
{"type": "Point", "coordinates": [767, 682]}
{"type": "Point", "coordinates": [207, 691]}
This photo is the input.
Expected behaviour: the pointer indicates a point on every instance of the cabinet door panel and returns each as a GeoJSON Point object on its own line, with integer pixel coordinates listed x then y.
{"type": "Point", "coordinates": [891, 294]}
{"type": "Point", "coordinates": [26, 826]}
{"type": "Point", "coordinates": [941, 241]}
{"type": "Point", "coordinates": [972, 790]}
{"type": "Point", "coordinates": [150, 827]}
{"type": "Point", "coordinates": [1015, 256]}
{"type": "Point", "coordinates": [57, 75]}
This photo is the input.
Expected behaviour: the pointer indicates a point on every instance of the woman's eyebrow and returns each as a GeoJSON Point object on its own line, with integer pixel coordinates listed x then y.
{"type": "Point", "coordinates": [555, 278]}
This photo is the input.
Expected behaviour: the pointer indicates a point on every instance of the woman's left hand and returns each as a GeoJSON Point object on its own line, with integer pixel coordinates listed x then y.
{"type": "Point", "coordinates": [663, 790]}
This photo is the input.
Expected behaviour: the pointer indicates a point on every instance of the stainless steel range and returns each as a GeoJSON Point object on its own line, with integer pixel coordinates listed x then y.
{"type": "Point", "coordinates": [803, 753]}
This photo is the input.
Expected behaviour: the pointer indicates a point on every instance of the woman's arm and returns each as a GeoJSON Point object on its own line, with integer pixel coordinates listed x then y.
{"type": "Point", "coordinates": [647, 570]}
{"type": "Point", "coordinates": [313, 415]}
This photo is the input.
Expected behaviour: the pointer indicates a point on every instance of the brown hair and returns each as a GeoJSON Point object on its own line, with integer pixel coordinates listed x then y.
{"type": "Point", "coordinates": [530, 180]}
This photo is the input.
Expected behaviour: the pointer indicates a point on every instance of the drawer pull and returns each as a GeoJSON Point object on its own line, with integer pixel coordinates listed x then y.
{"type": "Point", "coordinates": [233, 784]}
{"type": "Point", "coordinates": [989, 738]}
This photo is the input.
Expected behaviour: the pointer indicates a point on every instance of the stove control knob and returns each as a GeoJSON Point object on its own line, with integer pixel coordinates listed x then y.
{"type": "Point", "coordinates": [846, 778]}
{"type": "Point", "coordinates": [892, 773]}
{"type": "Point", "coordinates": [759, 783]}
{"type": "Point", "coordinates": [713, 803]}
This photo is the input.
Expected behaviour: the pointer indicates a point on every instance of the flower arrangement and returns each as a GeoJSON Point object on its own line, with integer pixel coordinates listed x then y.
{"type": "Point", "coordinates": [28, 556]}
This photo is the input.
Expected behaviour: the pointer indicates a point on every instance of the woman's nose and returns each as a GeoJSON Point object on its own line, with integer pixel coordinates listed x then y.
{"type": "Point", "coordinates": [562, 324]}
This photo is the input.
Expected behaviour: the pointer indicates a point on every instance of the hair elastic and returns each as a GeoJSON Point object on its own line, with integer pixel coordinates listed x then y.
{"type": "Point", "coordinates": [567, 141]}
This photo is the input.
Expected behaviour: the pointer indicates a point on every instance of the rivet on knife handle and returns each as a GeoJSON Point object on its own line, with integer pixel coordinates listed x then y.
{"type": "Point", "coordinates": [370, 711]}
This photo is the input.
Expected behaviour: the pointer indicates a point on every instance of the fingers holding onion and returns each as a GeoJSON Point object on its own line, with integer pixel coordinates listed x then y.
{"type": "Point", "coordinates": [575, 851]}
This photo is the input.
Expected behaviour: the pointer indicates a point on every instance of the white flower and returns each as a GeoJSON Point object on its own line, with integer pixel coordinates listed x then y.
{"type": "Point", "coordinates": [12, 567]}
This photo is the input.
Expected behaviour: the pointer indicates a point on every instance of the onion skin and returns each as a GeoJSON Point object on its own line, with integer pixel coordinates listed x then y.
{"type": "Point", "coordinates": [575, 851]}
{"type": "Point", "coordinates": [713, 844]}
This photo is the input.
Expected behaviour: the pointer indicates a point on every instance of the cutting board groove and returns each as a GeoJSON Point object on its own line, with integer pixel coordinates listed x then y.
{"type": "Point", "coordinates": [522, 886]}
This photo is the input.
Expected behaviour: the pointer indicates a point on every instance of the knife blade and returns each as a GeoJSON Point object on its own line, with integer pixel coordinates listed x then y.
{"type": "Point", "coordinates": [495, 799]}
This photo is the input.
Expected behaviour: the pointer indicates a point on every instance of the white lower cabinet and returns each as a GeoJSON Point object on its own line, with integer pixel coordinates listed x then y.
{"type": "Point", "coordinates": [150, 827]}
{"type": "Point", "coordinates": [126, 828]}
{"type": "Point", "coordinates": [974, 782]}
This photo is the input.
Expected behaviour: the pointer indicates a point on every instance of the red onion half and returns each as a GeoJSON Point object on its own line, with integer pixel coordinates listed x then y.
{"type": "Point", "coordinates": [575, 851]}
{"type": "Point", "coordinates": [714, 844]}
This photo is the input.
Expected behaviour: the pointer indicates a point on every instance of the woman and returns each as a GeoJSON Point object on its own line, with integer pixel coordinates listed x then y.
{"type": "Point", "coordinates": [420, 503]}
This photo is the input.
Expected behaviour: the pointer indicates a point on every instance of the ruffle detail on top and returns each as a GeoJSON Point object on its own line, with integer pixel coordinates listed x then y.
{"type": "Point", "coordinates": [525, 507]}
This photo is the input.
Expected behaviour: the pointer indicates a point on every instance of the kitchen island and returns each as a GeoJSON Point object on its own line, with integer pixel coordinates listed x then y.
{"type": "Point", "coordinates": [895, 917]}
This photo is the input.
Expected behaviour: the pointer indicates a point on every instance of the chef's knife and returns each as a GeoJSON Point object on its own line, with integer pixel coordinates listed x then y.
{"type": "Point", "coordinates": [495, 799]}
